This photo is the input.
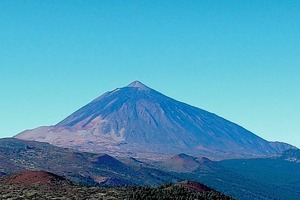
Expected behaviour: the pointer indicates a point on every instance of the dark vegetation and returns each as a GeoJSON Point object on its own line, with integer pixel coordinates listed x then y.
{"type": "Point", "coordinates": [184, 190]}
{"type": "Point", "coordinates": [44, 185]}
{"type": "Point", "coordinates": [279, 176]}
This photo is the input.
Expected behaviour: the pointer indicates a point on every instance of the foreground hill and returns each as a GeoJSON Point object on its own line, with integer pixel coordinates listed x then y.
{"type": "Point", "coordinates": [41, 178]}
{"type": "Point", "coordinates": [45, 185]}
{"type": "Point", "coordinates": [138, 121]}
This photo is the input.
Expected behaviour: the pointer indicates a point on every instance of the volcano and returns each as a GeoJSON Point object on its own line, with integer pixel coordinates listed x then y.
{"type": "Point", "coordinates": [138, 121]}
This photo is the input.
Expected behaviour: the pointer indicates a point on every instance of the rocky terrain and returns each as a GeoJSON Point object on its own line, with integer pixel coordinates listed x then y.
{"type": "Point", "coordinates": [80, 167]}
{"type": "Point", "coordinates": [45, 185]}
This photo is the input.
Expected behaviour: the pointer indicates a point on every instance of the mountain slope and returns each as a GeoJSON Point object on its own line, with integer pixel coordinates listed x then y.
{"type": "Point", "coordinates": [87, 168]}
{"type": "Point", "coordinates": [143, 122]}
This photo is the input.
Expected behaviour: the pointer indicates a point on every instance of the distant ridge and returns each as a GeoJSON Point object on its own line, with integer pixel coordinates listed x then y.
{"type": "Point", "coordinates": [138, 121]}
{"type": "Point", "coordinates": [186, 163]}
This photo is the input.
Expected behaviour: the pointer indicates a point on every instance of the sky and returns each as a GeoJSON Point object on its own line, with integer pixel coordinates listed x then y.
{"type": "Point", "coordinates": [238, 59]}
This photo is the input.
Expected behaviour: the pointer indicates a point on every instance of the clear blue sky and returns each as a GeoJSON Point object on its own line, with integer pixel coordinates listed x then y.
{"type": "Point", "coordinates": [238, 59]}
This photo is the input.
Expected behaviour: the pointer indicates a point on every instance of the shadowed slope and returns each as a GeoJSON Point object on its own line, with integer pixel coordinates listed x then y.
{"type": "Point", "coordinates": [87, 168]}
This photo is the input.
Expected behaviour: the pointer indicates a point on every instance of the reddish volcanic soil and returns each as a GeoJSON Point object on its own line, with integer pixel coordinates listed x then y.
{"type": "Point", "coordinates": [194, 186]}
{"type": "Point", "coordinates": [33, 177]}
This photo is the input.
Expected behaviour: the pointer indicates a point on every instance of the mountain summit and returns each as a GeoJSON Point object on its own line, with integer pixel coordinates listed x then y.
{"type": "Point", "coordinates": [139, 121]}
{"type": "Point", "coordinates": [139, 85]}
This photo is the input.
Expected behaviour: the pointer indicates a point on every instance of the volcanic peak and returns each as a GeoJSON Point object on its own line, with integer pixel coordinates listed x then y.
{"type": "Point", "coordinates": [149, 123]}
{"type": "Point", "coordinates": [139, 85]}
